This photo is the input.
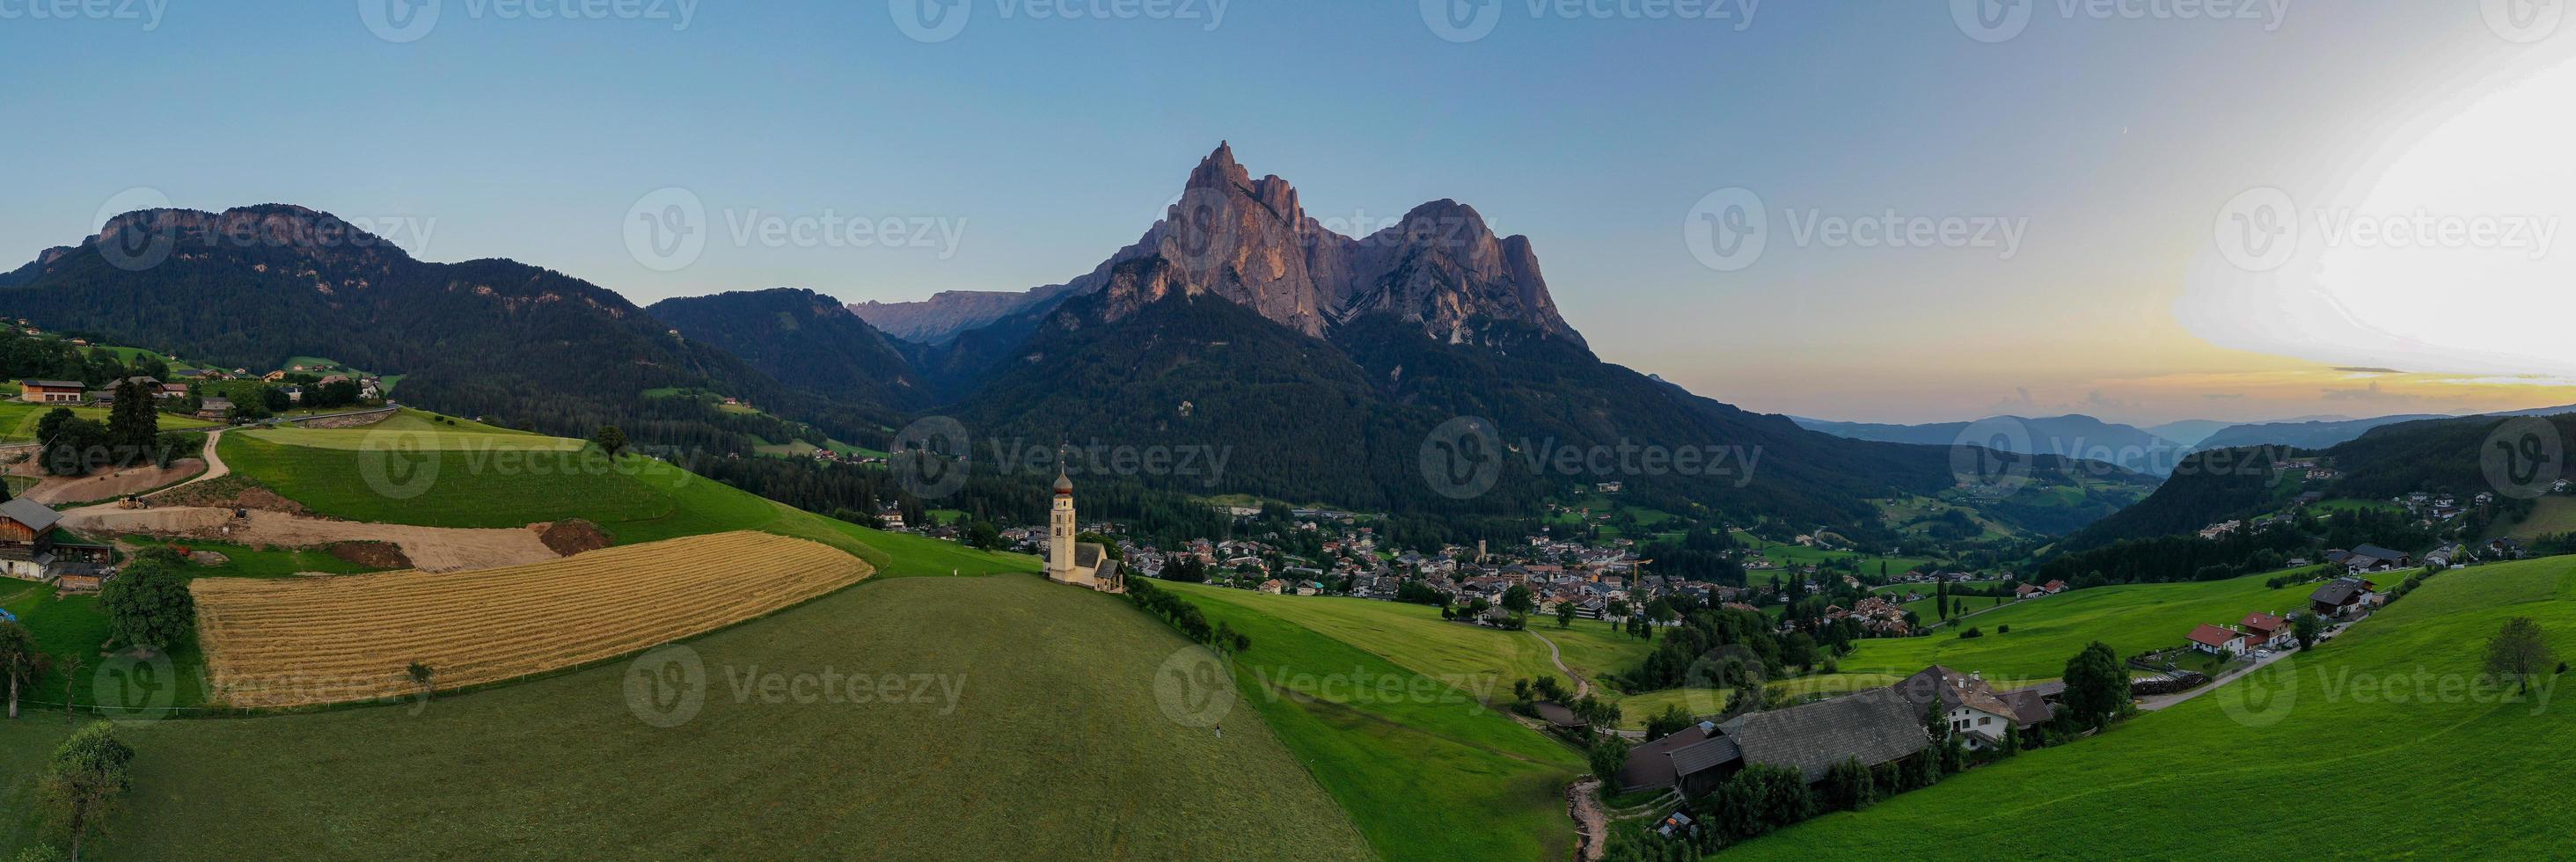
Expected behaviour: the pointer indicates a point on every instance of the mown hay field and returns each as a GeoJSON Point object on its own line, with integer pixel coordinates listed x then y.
{"type": "Point", "coordinates": [277, 643]}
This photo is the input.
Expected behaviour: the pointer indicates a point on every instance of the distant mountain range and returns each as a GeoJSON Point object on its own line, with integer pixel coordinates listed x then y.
{"type": "Point", "coordinates": [1320, 367]}
{"type": "Point", "coordinates": [2073, 436]}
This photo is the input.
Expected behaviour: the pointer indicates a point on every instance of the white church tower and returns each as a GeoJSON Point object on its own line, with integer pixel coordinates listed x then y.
{"type": "Point", "coordinates": [1060, 531]}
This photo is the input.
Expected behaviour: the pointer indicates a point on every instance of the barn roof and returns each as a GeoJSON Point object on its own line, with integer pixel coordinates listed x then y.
{"type": "Point", "coordinates": [36, 516]}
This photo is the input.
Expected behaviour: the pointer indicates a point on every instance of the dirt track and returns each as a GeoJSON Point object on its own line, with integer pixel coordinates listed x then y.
{"type": "Point", "coordinates": [55, 490]}
{"type": "Point", "coordinates": [431, 549]}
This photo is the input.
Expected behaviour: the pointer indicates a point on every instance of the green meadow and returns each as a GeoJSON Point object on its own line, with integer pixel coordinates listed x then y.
{"type": "Point", "coordinates": [1423, 769]}
{"type": "Point", "coordinates": [981, 754]}
{"type": "Point", "coordinates": [2047, 631]}
{"type": "Point", "coordinates": [2380, 744]}
{"type": "Point", "coordinates": [1415, 637]}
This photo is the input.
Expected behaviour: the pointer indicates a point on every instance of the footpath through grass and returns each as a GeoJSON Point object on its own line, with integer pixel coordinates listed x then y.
{"type": "Point", "coordinates": [2380, 744]}
{"type": "Point", "coordinates": [1022, 722]}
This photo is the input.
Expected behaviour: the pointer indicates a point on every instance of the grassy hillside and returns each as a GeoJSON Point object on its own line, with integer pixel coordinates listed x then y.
{"type": "Point", "coordinates": [18, 420]}
{"type": "Point", "coordinates": [1054, 747]}
{"type": "Point", "coordinates": [2047, 631]}
{"type": "Point", "coordinates": [2374, 745]}
{"type": "Point", "coordinates": [1480, 659]}
{"type": "Point", "coordinates": [1424, 771]}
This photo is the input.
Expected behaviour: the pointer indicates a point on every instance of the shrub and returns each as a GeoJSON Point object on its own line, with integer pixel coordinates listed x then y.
{"type": "Point", "coordinates": [1972, 632]}
{"type": "Point", "coordinates": [2004, 629]}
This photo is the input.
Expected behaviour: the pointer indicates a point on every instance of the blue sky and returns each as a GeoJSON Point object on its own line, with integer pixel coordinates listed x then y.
{"type": "Point", "coordinates": [1032, 147]}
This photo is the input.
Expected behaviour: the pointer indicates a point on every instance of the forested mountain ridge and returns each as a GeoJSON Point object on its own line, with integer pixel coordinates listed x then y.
{"type": "Point", "coordinates": [521, 344]}
{"type": "Point", "coordinates": [802, 339]}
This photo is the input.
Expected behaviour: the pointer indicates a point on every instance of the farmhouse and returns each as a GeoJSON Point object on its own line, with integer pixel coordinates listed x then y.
{"type": "Point", "coordinates": [51, 391]}
{"type": "Point", "coordinates": [1972, 706]}
{"type": "Point", "coordinates": [215, 409]}
{"type": "Point", "coordinates": [2342, 596]}
{"type": "Point", "coordinates": [2217, 640]}
{"type": "Point", "coordinates": [2369, 558]}
{"type": "Point", "coordinates": [1876, 726]}
{"type": "Point", "coordinates": [32, 548]}
{"type": "Point", "coordinates": [2268, 630]}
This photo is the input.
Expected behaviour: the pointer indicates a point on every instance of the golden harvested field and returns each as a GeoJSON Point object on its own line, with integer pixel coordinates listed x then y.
{"type": "Point", "coordinates": [305, 641]}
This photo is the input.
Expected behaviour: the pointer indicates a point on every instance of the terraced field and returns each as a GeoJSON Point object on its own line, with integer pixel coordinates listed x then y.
{"type": "Point", "coordinates": [274, 643]}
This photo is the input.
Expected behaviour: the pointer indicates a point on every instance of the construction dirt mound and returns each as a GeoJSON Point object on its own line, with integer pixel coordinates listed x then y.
{"type": "Point", "coordinates": [227, 492]}
{"type": "Point", "coordinates": [380, 555]}
{"type": "Point", "coordinates": [572, 536]}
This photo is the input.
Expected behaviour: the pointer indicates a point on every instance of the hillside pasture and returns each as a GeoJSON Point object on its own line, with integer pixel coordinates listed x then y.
{"type": "Point", "coordinates": [2047, 631]}
{"type": "Point", "coordinates": [272, 643]}
{"type": "Point", "coordinates": [1025, 724]}
{"type": "Point", "coordinates": [2380, 744]}
{"type": "Point", "coordinates": [1483, 660]}
{"type": "Point", "coordinates": [1424, 771]}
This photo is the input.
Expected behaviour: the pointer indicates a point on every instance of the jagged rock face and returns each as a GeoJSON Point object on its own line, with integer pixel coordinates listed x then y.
{"type": "Point", "coordinates": [1251, 242]}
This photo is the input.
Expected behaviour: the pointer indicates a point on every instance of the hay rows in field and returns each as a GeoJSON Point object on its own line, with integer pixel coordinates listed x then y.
{"type": "Point", "coordinates": [351, 637]}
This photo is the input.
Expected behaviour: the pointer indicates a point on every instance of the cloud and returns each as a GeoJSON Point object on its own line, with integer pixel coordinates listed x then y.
{"type": "Point", "coordinates": [2221, 396]}
{"type": "Point", "coordinates": [2355, 369]}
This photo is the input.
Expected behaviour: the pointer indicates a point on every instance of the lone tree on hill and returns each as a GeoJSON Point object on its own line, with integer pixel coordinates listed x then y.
{"type": "Point", "coordinates": [87, 781]}
{"type": "Point", "coordinates": [132, 423]}
{"type": "Point", "coordinates": [1565, 615]}
{"type": "Point", "coordinates": [2096, 685]}
{"type": "Point", "coordinates": [421, 676]}
{"type": "Point", "coordinates": [2518, 651]}
{"type": "Point", "coordinates": [610, 440]}
{"type": "Point", "coordinates": [1518, 600]}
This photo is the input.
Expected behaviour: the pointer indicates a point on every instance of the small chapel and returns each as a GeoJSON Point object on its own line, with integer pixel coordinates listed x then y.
{"type": "Point", "coordinates": [1085, 564]}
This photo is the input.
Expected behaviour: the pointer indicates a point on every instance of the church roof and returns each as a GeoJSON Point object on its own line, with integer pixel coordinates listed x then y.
{"type": "Point", "coordinates": [1063, 483]}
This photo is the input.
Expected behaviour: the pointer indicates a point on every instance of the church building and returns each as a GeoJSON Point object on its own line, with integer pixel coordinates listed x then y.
{"type": "Point", "coordinates": [1079, 563]}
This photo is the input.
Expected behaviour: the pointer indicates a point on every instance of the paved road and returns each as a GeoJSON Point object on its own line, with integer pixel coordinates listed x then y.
{"type": "Point", "coordinates": [2161, 701]}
